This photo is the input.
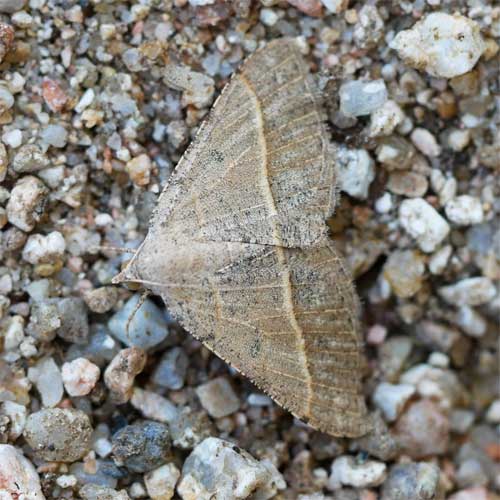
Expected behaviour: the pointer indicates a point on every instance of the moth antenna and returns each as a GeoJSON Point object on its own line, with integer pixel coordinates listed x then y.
{"type": "Point", "coordinates": [107, 248]}
{"type": "Point", "coordinates": [144, 295]}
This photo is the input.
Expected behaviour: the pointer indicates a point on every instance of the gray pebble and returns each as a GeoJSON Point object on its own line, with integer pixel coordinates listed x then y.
{"type": "Point", "coordinates": [147, 328]}
{"type": "Point", "coordinates": [412, 481]}
{"type": "Point", "coordinates": [97, 492]}
{"type": "Point", "coordinates": [359, 98]}
{"type": "Point", "coordinates": [171, 370]}
{"type": "Point", "coordinates": [218, 397]}
{"type": "Point", "coordinates": [58, 435]}
{"type": "Point", "coordinates": [11, 6]}
{"type": "Point", "coordinates": [29, 158]}
{"type": "Point", "coordinates": [141, 447]}
{"type": "Point", "coordinates": [74, 321]}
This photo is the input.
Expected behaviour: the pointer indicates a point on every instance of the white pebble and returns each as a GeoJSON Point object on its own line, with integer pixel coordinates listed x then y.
{"type": "Point", "coordinates": [439, 260]}
{"type": "Point", "coordinates": [13, 138]}
{"type": "Point", "coordinates": [471, 322]}
{"type": "Point", "coordinates": [469, 292]}
{"type": "Point", "coordinates": [17, 416]}
{"type": "Point", "coordinates": [66, 481]}
{"type": "Point", "coordinates": [493, 413]}
{"type": "Point", "coordinates": [439, 360]}
{"type": "Point", "coordinates": [85, 101]}
{"type": "Point", "coordinates": [47, 379]}
{"type": "Point", "coordinates": [425, 142]}
{"type": "Point", "coordinates": [268, 17]}
{"type": "Point", "coordinates": [335, 6]}
{"type": "Point", "coordinates": [218, 398]}
{"type": "Point", "coordinates": [356, 170]}
{"type": "Point", "coordinates": [44, 249]}
{"type": "Point", "coordinates": [345, 471]}
{"type": "Point", "coordinates": [384, 120]}
{"type": "Point", "coordinates": [160, 483]}
{"type": "Point", "coordinates": [383, 205]}
{"type": "Point", "coordinates": [80, 376]}
{"type": "Point", "coordinates": [448, 191]}
{"type": "Point", "coordinates": [458, 139]}
{"type": "Point", "coordinates": [391, 398]}
{"type": "Point", "coordinates": [443, 45]}
{"type": "Point", "coordinates": [423, 223]}
{"type": "Point", "coordinates": [358, 97]}
{"type": "Point", "coordinates": [18, 477]}
{"type": "Point", "coordinates": [464, 210]}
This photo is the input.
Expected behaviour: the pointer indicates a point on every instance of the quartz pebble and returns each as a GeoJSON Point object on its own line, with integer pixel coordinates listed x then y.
{"type": "Point", "coordinates": [358, 98]}
{"type": "Point", "coordinates": [17, 416]}
{"type": "Point", "coordinates": [18, 477]}
{"type": "Point", "coordinates": [146, 328]}
{"type": "Point", "coordinates": [464, 210]}
{"type": "Point", "coordinates": [29, 158]}
{"type": "Point", "coordinates": [80, 376]}
{"type": "Point", "coordinates": [97, 492]}
{"type": "Point", "coordinates": [139, 169]}
{"type": "Point", "coordinates": [438, 261]}
{"type": "Point", "coordinates": [219, 469]}
{"type": "Point", "coordinates": [101, 300]}
{"type": "Point", "coordinates": [121, 372]}
{"type": "Point", "coordinates": [424, 223]}
{"type": "Point", "coordinates": [44, 249]}
{"type": "Point", "coordinates": [443, 45]}
{"type": "Point", "coordinates": [385, 119]}
{"type": "Point", "coordinates": [469, 292]}
{"type": "Point", "coordinates": [58, 435]}
{"type": "Point", "coordinates": [404, 270]}
{"type": "Point", "coordinates": [141, 447]}
{"type": "Point", "coordinates": [425, 142]}
{"type": "Point", "coordinates": [160, 483]}
{"type": "Point", "coordinates": [171, 370]}
{"type": "Point", "coordinates": [72, 314]}
{"type": "Point", "coordinates": [153, 406]}
{"type": "Point", "coordinates": [391, 398]}
{"type": "Point", "coordinates": [335, 6]}
{"type": "Point", "coordinates": [26, 203]}
{"type": "Point", "coordinates": [218, 398]}
{"type": "Point", "coordinates": [422, 430]}
{"type": "Point", "coordinates": [471, 322]}
{"type": "Point", "coordinates": [197, 88]}
{"type": "Point", "coordinates": [411, 481]}
{"type": "Point", "coordinates": [48, 380]}
{"type": "Point", "coordinates": [346, 471]}
{"type": "Point", "coordinates": [356, 171]}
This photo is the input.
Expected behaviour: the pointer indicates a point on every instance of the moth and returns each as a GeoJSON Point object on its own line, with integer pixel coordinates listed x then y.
{"type": "Point", "coordinates": [238, 249]}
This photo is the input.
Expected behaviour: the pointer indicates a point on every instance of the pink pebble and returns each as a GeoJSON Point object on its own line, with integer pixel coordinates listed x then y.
{"type": "Point", "coordinates": [80, 376]}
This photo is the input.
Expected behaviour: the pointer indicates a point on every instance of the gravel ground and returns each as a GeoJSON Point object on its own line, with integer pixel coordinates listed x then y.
{"type": "Point", "coordinates": [98, 101]}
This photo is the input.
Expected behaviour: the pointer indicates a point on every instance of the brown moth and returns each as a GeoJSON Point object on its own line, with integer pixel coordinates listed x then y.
{"type": "Point", "coordinates": [238, 250]}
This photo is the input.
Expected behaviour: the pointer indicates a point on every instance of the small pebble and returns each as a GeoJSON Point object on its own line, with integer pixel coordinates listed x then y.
{"type": "Point", "coordinates": [54, 135]}
{"type": "Point", "coordinates": [439, 260]}
{"type": "Point", "coordinates": [48, 381]}
{"type": "Point", "coordinates": [444, 45]}
{"type": "Point", "coordinates": [218, 397]}
{"type": "Point", "coordinates": [356, 171]}
{"type": "Point", "coordinates": [385, 119]}
{"type": "Point", "coordinates": [72, 314]}
{"type": "Point", "coordinates": [13, 138]}
{"type": "Point", "coordinates": [26, 203]}
{"type": "Point", "coordinates": [80, 376]}
{"type": "Point", "coordinates": [171, 370]}
{"type": "Point", "coordinates": [59, 435]}
{"type": "Point", "coordinates": [30, 158]}
{"type": "Point", "coordinates": [18, 477]}
{"type": "Point", "coordinates": [358, 98]}
{"type": "Point", "coordinates": [101, 300]}
{"type": "Point", "coordinates": [146, 329]}
{"type": "Point", "coordinates": [335, 6]}
{"type": "Point", "coordinates": [422, 430]}
{"type": "Point", "coordinates": [346, 471]}
{"type": "Point", "coordinates": [197, 88]}
{"type": "Point", "coordinates": [411, 481]}
{"type": "Point", "coordinates": [409, 184]}
{"type": "Point", "coordinates": [424, 223]}
{"type": "Point", "coordinates": [139, 169]}
{"type": "Point", "coordinates": [141, 447]}
{"type": "Point", "coordinates": [425, 142]}
{"type": "Point", "coordinates": [17, 415]}
{"type": "Point", "coordinates": [40, 249]}
{"type": "Point", "coordinates": [464, 210]}
{"type": "Point", "coordinates": [97, 492]}
{"type": "Point", "coordinates": [121, 372]}
{"type": "Point", "coordinates": [391, 398]}
{"type": "Point", "coordinates": [469, 292]}
{"type": "Point", "coordinates": [471, 322]}
{"type": "Point", "coordinates": [404, 270]}
{"type": "Point", "coordinates": [160, 483]}
{"type": "Point", "coordinates": [219, 469]}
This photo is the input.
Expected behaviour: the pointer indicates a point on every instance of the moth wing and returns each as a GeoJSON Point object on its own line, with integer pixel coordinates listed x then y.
{"type": "Point", "coordinates": [260, 169]}
{"type": "Point", "coordinates": [287, 319]}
